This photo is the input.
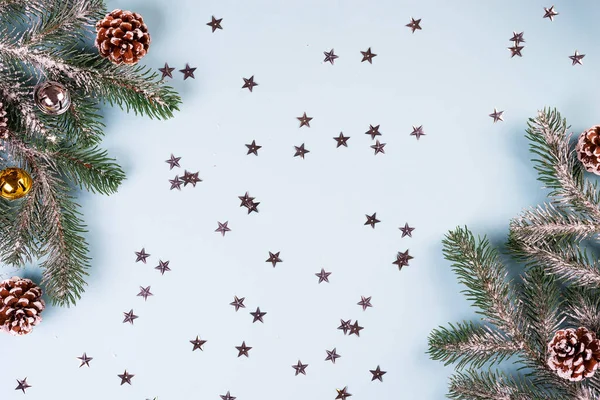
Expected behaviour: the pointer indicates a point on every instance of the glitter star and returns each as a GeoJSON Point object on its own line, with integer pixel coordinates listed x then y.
{"type": "Point", "coordinates": [188, 72]}
{"type": "Point", "coordinates": [198, 343]}
{"type": "Point", "coordinates": [163, 267]}
{"type": "Point", "coordinates": [238, 303]}
{"type": "Point", "coordinates": [258, 315]}
{"type": "Point", "coordinates": [497, 115]}
{"type": "Point", "coordinates": [330, 56]}
{"type": "Point", "coordinates": [85, 360]}
{"type": "Point", "coordinates": [323, 276]}
{"type": "Point", "coordinates": [368, 56]}
{"type": "Point", "coordinates": [223, 227]}
{"type": "Point", "coordinates": [414, 24]}
{"type": "Point", "coordinates": [417, 131]}
{"type": "Point", "coordinates": [249, 203]}
{"type": "Point", "coordinates": [253, 148]}
{"type": "Point", "coordinates": [342, 394]}
{"type": "Point", "coordinates": [517, 37]}
{"type": "Point", "coordinates": [402, 260]}
{"type": "Point", "coordinates": [341, 140]}
{"type": "Point", "coordinates": [576, 58]}
{"type": "Point", "coordinates": [141, 256]}
{"type": "Point", "coordinates": [300, 368]}
{"type": "Point", "coordinates": [373, 131]}
{"type": "Point", "coordinates": [406, 230]}
{"type": "Point", "coordinates": [145, 292]}
{"type": "Point", "coordinates": [173, 162]}
{"type": "Point", "coordinates": [215, 23]}
{"type": "Point", "coordinates": [516, 51]}
{"type": "Point", "coordinates": [191, 178]}
{"type": "Point", "coordinates": [550, 13]}
{"type": "Point", "coordinates": [355, 329]}
{"type": "Point", "coordinates": [378, 147]}
{"type": "Point", "coordinates": [23, 385]}
{"type": "Point", "coordinates": [249, 83]}
{"type": "Point", "coordinates": [274, 258]}
{"type": "Point", "coordinates": [176, 183]}
{"type": "Point", "coordinates": [332, 355]}
{"type": "Point", "coordinates": [378, 374]}
{"type": "Point", "coordinates": [227, 397]}
{"type": "Point", "coordinates": [345, 325]}
{"type": "Point", "coordinates": [243, 350]}
{"type": "Point", "coordinates": [372, 220]}
{"type": "Point", "coordinates": [365, 302]}
{"type": "Point", "coordinates": [166, 71]}
{"type": "Point", "coordinates": [129, 317]}
{"type": "Point", "coordinates": [125, 378]}
{"type": "Point", "coordinates": [301, 151]}
{"type": "Point", "coordinates": [304, 120]}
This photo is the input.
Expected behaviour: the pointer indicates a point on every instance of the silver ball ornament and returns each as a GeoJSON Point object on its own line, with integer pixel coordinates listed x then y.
{"type": "Point", "coordinates": [52, 98]}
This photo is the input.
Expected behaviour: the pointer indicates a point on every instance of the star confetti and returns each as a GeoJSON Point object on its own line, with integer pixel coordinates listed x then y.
{"type": "Point", "coordinates": [497, 115]}
{"type": "Point", "coordinates": [85, 360]}
{"type": "Point", "coordinates": [417, 132]}
{"type": "Point", "coordinates": [223, 228]}
{"type": "Point", "coordinates": [516, 51]}
{"type": "Point", "coordinates": [249, 83]}
{"type": "Point", "coordinates": [342, 394]}
{"type": "Point", "coordinates": [300, 368]}
{"type": "Point", "coordinates": [368, 56]}
{"type": "Point", "coordinates": [227, 396]}
{"type": "Point", "coordinates": [188, 72]}
{"type": "Point", "coordinates": [330, 56]}
{"type": "Point", "coordinates": [406, 230]}
{"type": "Point", "coordinates": [249, 203]}
{"type": "Point", "coordinates": [253, 148]}
{"type": "Point", "coordinates": [126, 378]}
{"type": "Point", "coordinates": [550, 13]}
{"type": "Point", "coordinates": [414, 24]}
{"type": "Point", "coordinates": [243, 350]}
{"type": "Point", "coordinates": [190, 178]}
{"type": "Point", "coordinates": [304, 120]}
{"type": "Point", "coordinates": [238, 303]}
{"type": "Point", "coordinates": [129, 317]}
{"type": "Point", "coordinates": [166, 71]}
{"type": "Point", "coordinates": [22, 385]}
{"type": "Point", "coordinates": [373, 131]}
{"type": "Point", "coordinates": [378, 374]}
{"type": "Point", "coordinates": [163, 266]}
{"type": "Point", "coordinates": [345, 325]}
{"type": "Point", "coordinates": [378, 147]}
{"type": "Point", "coordinates": [517, 37]}
{"type": "Point", "coordinates": [301, 151]}
{"type": "Point", "coordinates": [342, 140]}
{"type": "Point", "coordinates": [176, 183]}
{"type": "Point", "coordinates": [323, 276]}
{"type": "Point", "coordinates": [197, 343]}
{"type": "Point", "coordinates": [332, 355]}
{"type": "Point", "coordinates": [402, 259]}
{"type": "Point", "coordinates": [258, 315]}
{"type": "Point", "coordinates": [141, 256]}
{"type": "Point", "coordinates": [145, 292]}
{"type": "Point", "coordinates": [576, 58]}
{"type": "Point", "coordinates": [215, 23]}
{"type": "Point", "coordinates": [355, 329]}
{"type": "Point", "coordinates": [274, 258]}
{"type": "Point", "coordinates": [365, 302]}
{"type": "Point", "coordinates": [372, 220]}
{"type": "Point", "coordinates": [173, 162]}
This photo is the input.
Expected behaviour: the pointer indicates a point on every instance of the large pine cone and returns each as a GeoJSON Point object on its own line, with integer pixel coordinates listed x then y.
{"type": "Point", "coordinates": [122, 37]}
{"type": "Point", "coordinates": [574, 354]}
{"type": "Point", "coordinates": [588, 149]}
{"type": "Point", "coordinates": [21, 305]}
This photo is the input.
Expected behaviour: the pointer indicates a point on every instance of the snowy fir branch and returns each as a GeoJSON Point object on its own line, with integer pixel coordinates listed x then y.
{"type": "Point", "coordinates": [50, 40]}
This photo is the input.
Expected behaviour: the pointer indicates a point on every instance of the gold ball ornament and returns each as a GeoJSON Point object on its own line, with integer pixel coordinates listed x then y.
{"type": "Point", "coordinates": [52, 98]}
{"type": "Point", "coordinates": [14, 183]}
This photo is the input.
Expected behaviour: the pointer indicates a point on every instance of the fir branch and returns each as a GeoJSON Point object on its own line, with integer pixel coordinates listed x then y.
{"type": "Point", "coordinates": [82, 123]}
{"type": "Point", "coordinates": [469, 344]}
{"type": "Point", "coordinates": [583, 308]}
{"type": "Point", "coordinates": [557, 165]}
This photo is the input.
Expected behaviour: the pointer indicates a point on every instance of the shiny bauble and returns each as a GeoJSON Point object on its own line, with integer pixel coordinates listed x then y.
{"type": "Point", "coordinates": [14, 183]}
{"type": "Point", "coordinates": [52, 98]}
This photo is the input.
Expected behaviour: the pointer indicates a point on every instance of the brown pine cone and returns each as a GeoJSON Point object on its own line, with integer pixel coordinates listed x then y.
{"type": "Point", "coordinates": [588, 149]}
{"type": "Point", "coordinates": [20, 305]}
{"type": "Point", "coordinates": [122, 37]}
{"type": "Point", "coordinates": [574, 354]}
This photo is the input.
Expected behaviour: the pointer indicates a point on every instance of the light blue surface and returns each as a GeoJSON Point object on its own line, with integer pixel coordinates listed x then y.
{"type": "Point", "coordinates": [466, 170]}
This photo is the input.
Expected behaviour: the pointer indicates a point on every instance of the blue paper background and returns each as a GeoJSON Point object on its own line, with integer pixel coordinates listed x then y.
{"type": "Point", "coordinates": [466, 170]}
